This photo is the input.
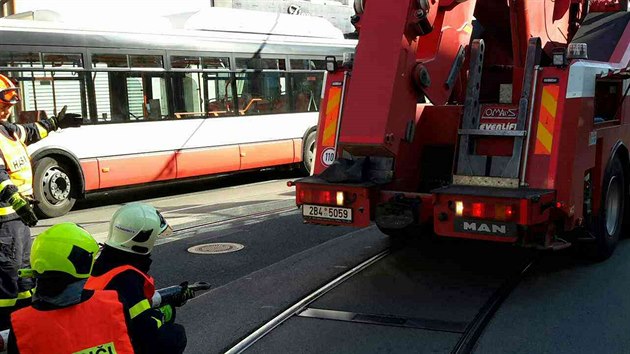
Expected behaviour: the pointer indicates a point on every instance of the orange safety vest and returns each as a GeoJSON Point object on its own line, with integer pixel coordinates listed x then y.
{"type": "Point", "coordinates": [100, 282]}
{"type": "Point", "coordinates": [93, 326]}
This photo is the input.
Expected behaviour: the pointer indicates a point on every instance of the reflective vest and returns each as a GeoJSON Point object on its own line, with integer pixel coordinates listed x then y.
{"type": "Point", "coordinates": [17, 163]}
{"type": "Point", "coordinates": [100, 283]}
{"type": "Point", "coordinates": [96, 325]}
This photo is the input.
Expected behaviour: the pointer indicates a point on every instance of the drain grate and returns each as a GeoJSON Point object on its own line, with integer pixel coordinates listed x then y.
{"type": "Point", "coordinates": [216, 248]}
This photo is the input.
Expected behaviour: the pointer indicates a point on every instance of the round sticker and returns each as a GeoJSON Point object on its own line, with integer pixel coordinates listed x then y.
{"type": "Point", "coordinates": [328, 156]}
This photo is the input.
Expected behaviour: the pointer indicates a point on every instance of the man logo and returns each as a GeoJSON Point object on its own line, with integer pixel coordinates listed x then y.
{"type": "Point", "coordinates": [481, 227]}
{"type": "Point", "coordinates": [487, 228]}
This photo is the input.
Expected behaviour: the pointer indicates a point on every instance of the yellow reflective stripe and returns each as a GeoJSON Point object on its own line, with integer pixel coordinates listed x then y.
{"type": "Point", "coordinates": [22, 134]}
{"type": "Point", "coordinates": [43, 132]}
{"type": "Point", "coordinates": [159, 323]}
{"type": "Point", "coordinates": [7, 302]}
{"type": "Point", "coordinates": [6, 211]}
{"type": "Point", "coordinates": [139, 308]}
{"type": "Point", "coordinates": [4, 184]}
{"type": "Point", "coordinates": [25, 294]}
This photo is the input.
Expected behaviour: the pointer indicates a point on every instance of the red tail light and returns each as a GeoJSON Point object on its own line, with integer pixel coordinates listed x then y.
{"type": "Point", "coordinates": [477, 210]}
{"type": "Point", "coordinates": [324, 197]}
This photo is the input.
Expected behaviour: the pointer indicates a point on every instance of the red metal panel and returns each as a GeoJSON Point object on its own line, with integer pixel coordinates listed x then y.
{"type": "Point", "coordinates": [260, 155]}
{"type": "Point", "coordinates": [199, 162]}
{"type": "Point", "coordinates": [90, 174]}
{"type": "Point", "coordinates": [135, 169]}
{"type": "Point", "coordinates": [438, 50]}
{"type": "Point", "coordinates": [381, 100]}
{"type": "Point", "coordinates": [361, 206]}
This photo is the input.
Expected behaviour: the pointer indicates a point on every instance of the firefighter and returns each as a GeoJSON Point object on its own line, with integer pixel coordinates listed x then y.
{"type": "Point", "coordinates": [124, 264]}
{"type": "Point", "coordinates": [64, 317]}
{"type": "Point", "coordinates": [16, 190]}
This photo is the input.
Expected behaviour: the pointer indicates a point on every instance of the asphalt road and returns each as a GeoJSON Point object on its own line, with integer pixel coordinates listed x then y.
{"type": "Point", "coordinates": [564, 305]}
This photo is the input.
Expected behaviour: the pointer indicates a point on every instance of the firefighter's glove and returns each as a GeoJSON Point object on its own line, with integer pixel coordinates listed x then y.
{"type": "Point", "coordinates": [185, 295]}
{"type": "Point", "coordinates": [23, 208]}
{"type": "Point", "coordinates": [66, 120]}
{"type": "Point", "coordinates": [168, 312]}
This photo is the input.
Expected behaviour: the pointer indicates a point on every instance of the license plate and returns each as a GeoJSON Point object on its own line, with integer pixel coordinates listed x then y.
{"type": "Point", "coordinates": [327, 212]}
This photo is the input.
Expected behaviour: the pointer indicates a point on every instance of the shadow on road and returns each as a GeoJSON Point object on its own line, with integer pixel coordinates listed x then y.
{"type": "Point", "coordinates": [159, 190]}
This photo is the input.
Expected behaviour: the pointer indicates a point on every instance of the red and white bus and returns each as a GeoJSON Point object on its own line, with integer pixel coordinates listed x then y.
{"type": "Point", "coordinates": [169, 103]}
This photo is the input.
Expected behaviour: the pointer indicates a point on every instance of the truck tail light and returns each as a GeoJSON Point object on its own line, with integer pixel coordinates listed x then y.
{"type": "Point", "coordinates": [324, 197]}
{"type": "Point", "coordinates": [503, 212]}
{"type": "Point", "coordinates": [459, 208]}
{"type": "Point", "coordinates": [478, 210]}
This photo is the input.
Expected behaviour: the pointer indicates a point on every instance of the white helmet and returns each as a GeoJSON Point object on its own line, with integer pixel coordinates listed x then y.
{"type": "Point", "coordinates": [135, 227]}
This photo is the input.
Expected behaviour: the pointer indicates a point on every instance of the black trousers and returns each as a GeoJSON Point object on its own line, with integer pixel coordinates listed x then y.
{"type": "Point", "coordinates": [15, 253]}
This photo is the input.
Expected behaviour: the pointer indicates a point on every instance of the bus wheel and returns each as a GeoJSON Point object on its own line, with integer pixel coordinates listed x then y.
{"type": "Point", "coordinates": [52, 188]}
{"type": "Point", "coordinates": [607, 228]}
{"type": "Point", "coordinates": [308, 154]}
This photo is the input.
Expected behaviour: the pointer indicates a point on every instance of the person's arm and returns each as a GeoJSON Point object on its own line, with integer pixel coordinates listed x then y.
{"type": "Point", "coordinates": [149, 327]}
{"type": "Point", "coordinates": [30, 133]}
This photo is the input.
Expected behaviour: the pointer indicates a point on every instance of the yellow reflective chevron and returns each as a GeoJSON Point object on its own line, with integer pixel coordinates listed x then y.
{"type": "Point", "coordinates": [7, 302]}
{"type": "Point", "coordinates": [43, 132]}
{"type": "Point", "coordinates": [25, 294]}
{"type": "Point", "coordinates": [139, 308]}
{"type": "Point", "coordinates": [159, 323]}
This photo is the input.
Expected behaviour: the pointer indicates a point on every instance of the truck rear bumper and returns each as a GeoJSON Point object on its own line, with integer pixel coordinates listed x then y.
{"type": "Point", "coordinates": [489, 213]}
{"type": "Point", "coordinates": [326, 203]}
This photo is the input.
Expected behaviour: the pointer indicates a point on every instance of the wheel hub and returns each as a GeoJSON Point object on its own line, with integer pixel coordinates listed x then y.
{"type": "Point", "coordinates": [56, 185]}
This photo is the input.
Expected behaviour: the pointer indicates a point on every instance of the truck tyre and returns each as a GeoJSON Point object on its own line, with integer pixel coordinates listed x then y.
{"type": "Point", "coordinates": [52, 188]}
{"type": "Point", "coordinates": [608, 225]}
{"type": "Point", "coordinates": [308, 152]}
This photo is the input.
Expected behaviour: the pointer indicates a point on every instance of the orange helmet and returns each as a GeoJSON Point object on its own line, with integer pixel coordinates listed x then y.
{"type": "Point", "coordinates": [8, 92]}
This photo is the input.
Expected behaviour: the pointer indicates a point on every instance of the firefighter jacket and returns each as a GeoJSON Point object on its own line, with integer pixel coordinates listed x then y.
{"type": "Point", "coordinates": [97, 324]}
{"type": "Point", "coordinates": [101, 282]}
{"type": "Point", "coordinates": [150, 332]}
{"type": "Point", "coordinates": [16, 173]}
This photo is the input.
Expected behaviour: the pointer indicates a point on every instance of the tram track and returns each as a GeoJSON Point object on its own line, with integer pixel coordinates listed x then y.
{"type": "Point", "coordinates": [469, 333]}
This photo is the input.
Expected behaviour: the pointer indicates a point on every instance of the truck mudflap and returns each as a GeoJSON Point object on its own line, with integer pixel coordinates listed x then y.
{"type": "Point", "coordinates": [325, 203]}
{"type": "Point", "coordinates": [489, 213]}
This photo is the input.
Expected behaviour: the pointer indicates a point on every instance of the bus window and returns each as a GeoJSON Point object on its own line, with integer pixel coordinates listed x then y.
{"type": "Point", "coordinates": [262, 93]}
{"type": "Point", "coordinates": [306, 91]}
{"type": "Point", "coordinates": [188, 93]}
{"type": "Point", "coordinates": [20, 60]}
{"type": "Point", "coordinates": [146, 96]}
{"type": "Point", "coordinates": [130, 96]}
{"type": "Point", "coordinates": [308, 64]}
{"type": "Point", "coordinates": [101, 94]}
{"type": "Point", "coordinates": [219, 94]}
{"type": "Point", "coordinates": [49, 91]}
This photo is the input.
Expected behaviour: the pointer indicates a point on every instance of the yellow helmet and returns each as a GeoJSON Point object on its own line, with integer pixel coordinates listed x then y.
{"type": "Point", "coordinates": [65, 248]}
{"type": "Point", "coordinates": [8, 92]}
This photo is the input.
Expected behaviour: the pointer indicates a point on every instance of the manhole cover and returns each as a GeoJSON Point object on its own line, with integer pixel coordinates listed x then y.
{"type": "Point", "coordinates": [216, 248]}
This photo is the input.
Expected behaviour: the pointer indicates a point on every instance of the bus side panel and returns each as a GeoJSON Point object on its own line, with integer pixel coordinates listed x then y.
{"type": "Point", "coordinates": [259, 155]}
{"type": "Point", "coordinates": [198, 162]}
{"type": "Point", "coordinates": [135, 169]}
{"type": "Point", "coordinates": [91, 174]}
{"type": "Point", "coordinates": [297, 150]}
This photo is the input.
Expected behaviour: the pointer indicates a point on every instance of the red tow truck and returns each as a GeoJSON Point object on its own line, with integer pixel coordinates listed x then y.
{"type": "Point", "coordinates": [502, 121]}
